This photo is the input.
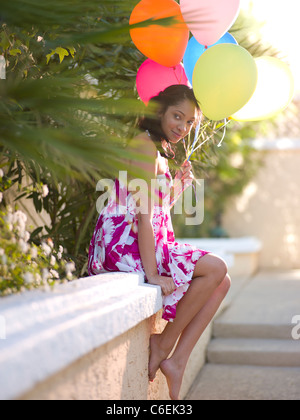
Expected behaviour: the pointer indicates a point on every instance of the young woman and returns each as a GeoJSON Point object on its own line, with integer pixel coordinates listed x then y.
{"type": "Point", "coordinates": [138, 237]}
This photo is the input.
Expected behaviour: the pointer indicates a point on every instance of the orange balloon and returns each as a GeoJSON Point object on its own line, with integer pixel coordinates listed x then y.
{"type": "Point", "coordinates": [164, 43]}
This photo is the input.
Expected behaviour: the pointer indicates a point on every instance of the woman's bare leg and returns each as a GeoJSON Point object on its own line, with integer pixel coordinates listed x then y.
{"type": "Point", "coordinates": [209, 273]}
{"type": "Point", "coordinates": [174, 367]}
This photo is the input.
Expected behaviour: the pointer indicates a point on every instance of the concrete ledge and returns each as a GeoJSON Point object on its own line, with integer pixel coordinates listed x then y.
{"type": "Point", "coordinates": [240, 254]}
{"type": "Point", "coordinates": [48, 331]}
{"type": "Point", "coordinates": [281, 144]}
{"type": "Point", "coordinates": [89, 339]}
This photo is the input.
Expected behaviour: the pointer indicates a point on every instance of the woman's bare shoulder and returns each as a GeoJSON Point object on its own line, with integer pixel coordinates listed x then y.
{"type": "Point", "coordinates": [143, 143]}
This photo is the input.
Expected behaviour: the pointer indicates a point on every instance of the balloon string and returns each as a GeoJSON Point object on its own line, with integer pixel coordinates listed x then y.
{"type": "Point", "coordinates": [205, 141]}
{"type": "Point", "coordinates": [195, 140]}
{"type": "Point", "coordinates": [224, 133]}
{"type": "Point", "coordinates": [194, 150]}
{"type": "Point", "coordinates": [180, 79]}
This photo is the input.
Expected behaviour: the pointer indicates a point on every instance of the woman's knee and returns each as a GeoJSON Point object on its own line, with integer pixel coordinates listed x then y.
{"type": "Point", "coordinates": [219, 271]}
{"type": "Point", "coordinates": [213, 267]}
{"type": "Point", "coordinates": [223, 268]}
{"type": "Point", "coordinates": [226, 284]}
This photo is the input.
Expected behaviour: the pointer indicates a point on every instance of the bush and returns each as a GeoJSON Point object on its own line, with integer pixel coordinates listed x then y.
{"type": "Point", "coordinates": [24, 265]}
{"type": "Point", "coordinates": [67, 107]}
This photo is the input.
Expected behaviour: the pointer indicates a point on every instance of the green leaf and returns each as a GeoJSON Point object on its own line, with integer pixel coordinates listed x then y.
{"type": "Point", "coordinates": [4, 41]}
{"type": "Point", "coordinates": [36, 232]}
{"type": "Point", "coordinates": [15, 52]}
{"type": "Point", "coordinates": [62, 52]}
{"type": "Point", "coordinates": [72, 51]}
{"type": "Point", "coordinates": [48, 56]}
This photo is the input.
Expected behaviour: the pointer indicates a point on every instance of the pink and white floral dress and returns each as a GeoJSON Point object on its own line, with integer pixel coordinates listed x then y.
{"type": "Point", "coordinates": [114, 246]}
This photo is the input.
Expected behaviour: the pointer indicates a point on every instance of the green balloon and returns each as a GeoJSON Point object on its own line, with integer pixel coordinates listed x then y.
{"type": "Point", "coordinates": [224, 80]}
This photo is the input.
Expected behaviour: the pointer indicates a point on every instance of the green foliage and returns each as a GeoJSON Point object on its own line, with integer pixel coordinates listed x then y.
{"type": "Point", "coordinates": [67, 108]}
{"type": "Point", "coordinates": [24, 265]}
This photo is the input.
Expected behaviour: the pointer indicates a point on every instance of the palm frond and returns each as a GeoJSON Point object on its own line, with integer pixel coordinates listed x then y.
{"type": "Point", "coordinates": [66, 124]}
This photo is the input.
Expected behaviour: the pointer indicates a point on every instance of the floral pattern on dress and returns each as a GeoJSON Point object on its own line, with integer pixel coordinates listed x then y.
{"type": "Point", "coordinates": [114, 245]}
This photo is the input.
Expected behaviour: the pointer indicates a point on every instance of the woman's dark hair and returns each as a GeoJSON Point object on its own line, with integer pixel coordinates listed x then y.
{"type": "Point", "coordinates": [159, 104]}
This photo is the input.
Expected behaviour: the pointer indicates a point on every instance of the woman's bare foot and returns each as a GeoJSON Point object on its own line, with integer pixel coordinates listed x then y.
{"type": "Point", "coordinates": [174, 376]}
{"type": "Point", "coordinates": [157, 355]}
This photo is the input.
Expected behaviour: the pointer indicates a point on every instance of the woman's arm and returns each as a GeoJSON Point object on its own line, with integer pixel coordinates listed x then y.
{"type": "Point", "coordinates": [147, 252]}
{"type": "Point", "coordinates": [146, 239]}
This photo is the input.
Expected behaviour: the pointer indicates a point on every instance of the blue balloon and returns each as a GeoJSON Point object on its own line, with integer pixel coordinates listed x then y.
{"type": "Point", "coordinates": [195, 50]}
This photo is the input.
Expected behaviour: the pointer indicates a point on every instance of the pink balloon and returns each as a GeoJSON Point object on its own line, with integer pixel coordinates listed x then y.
{"type": "Point", "coordinates": [209, 20]}
{"type": "Point", "coordinates": [152, 78]}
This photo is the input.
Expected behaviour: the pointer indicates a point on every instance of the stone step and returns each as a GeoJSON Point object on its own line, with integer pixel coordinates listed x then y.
{"type": "Point", "coordinates": [256, 330]}
{"type": "Point", "coordinates": [253, 355]}
{"type": "Point", "coordinates": [259, 352]}
{"type": "Point", "coordinates": [264, 309]}
{"type": "Point", "coordinates": [228, 382]}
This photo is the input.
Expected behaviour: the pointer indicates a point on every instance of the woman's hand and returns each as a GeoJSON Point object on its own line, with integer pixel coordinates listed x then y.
{"type": "Point", "coordinates": [183, 179]}
{"type": "Point", "coordinates": [185, 174]}
{"type": "Point", "coordinates": [166, 283]}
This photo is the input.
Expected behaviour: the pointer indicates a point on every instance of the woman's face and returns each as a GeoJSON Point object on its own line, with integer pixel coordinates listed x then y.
{"type": "Point", "coordinates": [178, 120]}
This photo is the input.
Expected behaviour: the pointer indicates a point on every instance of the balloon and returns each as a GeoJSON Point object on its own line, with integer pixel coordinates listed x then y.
{"type": "Point", "coordinates": [209, 20]}
{"type": "Point", "coordinates": [224, 80]}
{"type": "Point", "coordinates": [152, 78]}
{"type": "Point", "coordinates": [195, 50]}
{"type": "Point", "coordinates": [164, 44]}
{"type": "Point", "coordinates": [274, 91]}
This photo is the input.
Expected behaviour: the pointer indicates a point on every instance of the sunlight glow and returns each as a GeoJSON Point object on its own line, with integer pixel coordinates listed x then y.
{"type": "Point", "coordinates": [281, 28]}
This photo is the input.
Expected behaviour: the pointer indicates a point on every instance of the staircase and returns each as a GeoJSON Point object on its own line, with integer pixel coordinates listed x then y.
{"type": "Point", "coordinates": [252, 355]}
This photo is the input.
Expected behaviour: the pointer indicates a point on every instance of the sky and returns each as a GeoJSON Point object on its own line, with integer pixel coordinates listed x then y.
{"type": "Point", "coordinates": [281, 19]}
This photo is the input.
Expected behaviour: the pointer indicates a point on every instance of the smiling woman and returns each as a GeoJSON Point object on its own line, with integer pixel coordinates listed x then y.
{"type": "Point", "coordinates": [178, 121]}
{"type": "Point", "coordinates": [168, 124]}
{"type": "Point", "coordinates": [141, 239]}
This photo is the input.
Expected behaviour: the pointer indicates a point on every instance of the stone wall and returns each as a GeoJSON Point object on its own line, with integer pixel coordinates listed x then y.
{"type": "Point", "coordinates": [269, 206]}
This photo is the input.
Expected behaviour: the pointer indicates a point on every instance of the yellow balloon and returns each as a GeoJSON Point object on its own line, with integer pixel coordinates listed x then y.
{"type": "Point", "coordinates": [274, 92]}
{"type": "Point", "coordinates": [224, 80]}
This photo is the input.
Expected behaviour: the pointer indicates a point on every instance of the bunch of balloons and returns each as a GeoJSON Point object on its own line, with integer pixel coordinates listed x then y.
{"type": "Point", "coordinates": [228, 82]}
